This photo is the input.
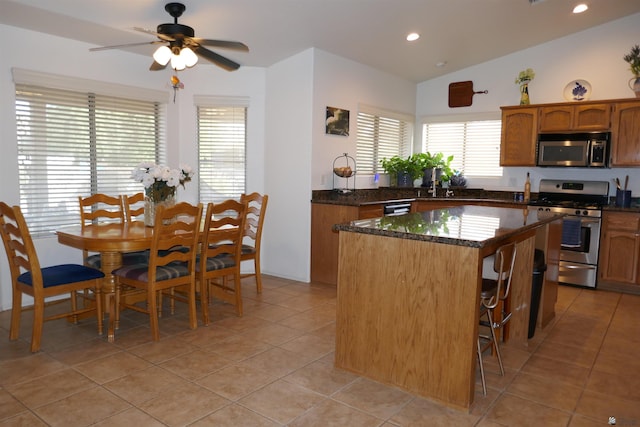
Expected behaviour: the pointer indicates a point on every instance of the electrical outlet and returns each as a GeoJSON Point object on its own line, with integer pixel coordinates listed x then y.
{"type": "Point", "coordinates": [512, 182]}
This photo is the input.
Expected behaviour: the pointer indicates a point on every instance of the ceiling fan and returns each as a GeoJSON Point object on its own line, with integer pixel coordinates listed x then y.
{"type": "Point", "coordinates": [180, 47]}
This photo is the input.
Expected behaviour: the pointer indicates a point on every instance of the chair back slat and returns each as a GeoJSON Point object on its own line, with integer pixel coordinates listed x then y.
{"type": "Point", "coordinates": [255, 213]}
{"type": "Point", "coordinates": [21, 252]}
{"type": "Point", "coordinates": [100, 207]}
{"type": "Point", "coordinates": [133, 207]}
{"type": "Point", "coordinates": [175, 236]}
{"type": "Point", "coordinates": [223, 230]}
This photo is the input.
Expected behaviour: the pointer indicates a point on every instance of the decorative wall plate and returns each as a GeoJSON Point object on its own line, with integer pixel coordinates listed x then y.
{"type": "Point", "coordinates": [577, 90]}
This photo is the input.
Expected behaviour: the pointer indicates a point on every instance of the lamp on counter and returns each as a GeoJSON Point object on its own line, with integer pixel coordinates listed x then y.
{"type": "Point", "coordinates": [180, 58]}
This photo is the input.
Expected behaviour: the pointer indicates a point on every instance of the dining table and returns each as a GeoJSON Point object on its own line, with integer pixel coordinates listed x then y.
{"type": "Point", "coordinates": [111, 240]}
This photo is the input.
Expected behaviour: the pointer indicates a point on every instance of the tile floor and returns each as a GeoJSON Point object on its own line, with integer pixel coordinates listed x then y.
{"type": "Point", "coordinates": [273, 367]}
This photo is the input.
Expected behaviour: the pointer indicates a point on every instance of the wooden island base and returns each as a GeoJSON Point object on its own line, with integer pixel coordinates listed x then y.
{"type": "Point", "coordinates": [407, 312]}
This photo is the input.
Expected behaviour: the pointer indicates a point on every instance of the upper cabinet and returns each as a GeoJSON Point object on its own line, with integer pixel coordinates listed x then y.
{"type": "Point", "coordinates": [519, 135]}
{"type": "Point", "coordinates": [625, 134]}
{"type": "Point", "coordinates": [521, 125]}
{"type": "Point", "coordinates": [576, 117]}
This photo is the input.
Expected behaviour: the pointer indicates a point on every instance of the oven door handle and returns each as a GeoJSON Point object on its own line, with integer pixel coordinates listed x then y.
{"type": "Point", "coordinates": [579, 267]}
{"type": "Point", "coordinates": [590, 222]}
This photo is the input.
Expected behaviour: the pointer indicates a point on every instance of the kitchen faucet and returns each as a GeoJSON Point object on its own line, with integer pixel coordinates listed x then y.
{"type": "Point", "coordinates": [433, 191]}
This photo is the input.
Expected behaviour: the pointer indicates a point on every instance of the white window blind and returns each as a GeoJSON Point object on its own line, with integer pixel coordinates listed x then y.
{"type": "Point", "coordinates": [381, 134]}
{"type": "Point", "coordinates": [475, 145]}
{"type": "Point", "coordinates": [222, 152]}
{"type": "Point", "coordinates": [74, 144]}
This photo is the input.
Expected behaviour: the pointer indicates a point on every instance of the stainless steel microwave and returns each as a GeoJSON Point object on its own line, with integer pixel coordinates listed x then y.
{"type": "Point", "coordinates": [586, 150]}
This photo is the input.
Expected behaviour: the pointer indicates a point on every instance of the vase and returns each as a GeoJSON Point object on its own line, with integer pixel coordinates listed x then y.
{"type": "Point", "coordinates": [524, 93]}
{"type": "Point", "coordinates": [405, 179]}
{"type": "Point", "coordinates": [634, 84]}
{"type": "Point", "coordinates": [151, 207]}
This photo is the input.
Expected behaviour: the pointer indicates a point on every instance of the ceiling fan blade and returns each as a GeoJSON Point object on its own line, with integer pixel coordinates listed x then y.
{"type": "Point", "coordinates": [153, 33]}
{"type": "Point", "coordinates": [219, 60]}
{"type": "Point", "coordinates": [157, 67]}
{"type": "Point", "coordinates": [221, 43]}
{"type": "Point", "coordinates": [118, 46]}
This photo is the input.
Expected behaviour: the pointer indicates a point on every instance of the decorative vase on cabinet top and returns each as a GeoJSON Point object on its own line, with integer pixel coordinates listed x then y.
{"type": "Point", "coordinates": [634, 84]}
{"type": "Point", "coordinates": [524, 93]}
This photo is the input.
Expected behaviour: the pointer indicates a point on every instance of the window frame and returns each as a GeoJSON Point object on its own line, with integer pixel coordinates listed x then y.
{"type": "Point", "coordinates": [464, 118]}
{"type": "Point", "coordinates": [231, 188]}
{"type": "Point", "coordinates": [373, 166]}
{"type": "Point", "coordinates": [103, 105]}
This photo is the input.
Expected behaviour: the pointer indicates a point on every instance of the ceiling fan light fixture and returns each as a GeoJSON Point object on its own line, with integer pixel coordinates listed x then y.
{"type": "Point", "coordinates": [190, 59]}
{"type": "Point", "coordinates": [162, 55]}
{"type": "Point", "coordinates": [177, 62]}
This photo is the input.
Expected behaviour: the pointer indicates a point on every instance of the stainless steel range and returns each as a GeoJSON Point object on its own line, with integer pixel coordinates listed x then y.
{"type": "Point", "coordinates": [582, 201]}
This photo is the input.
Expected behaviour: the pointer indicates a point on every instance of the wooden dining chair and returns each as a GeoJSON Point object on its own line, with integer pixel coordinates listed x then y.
{"type": "Point", "coordinates": [27, 277]}
{"type": "Point", "coordinates": [176, 226]}
{"type": "Point", "coordinates": [255, 212]}
{"type": "Point", "coordinates": [220, 255]}
{"type": "Point", "coordinates": [133, 207]}
{"type": "Point", "coordinates": [99, 208]}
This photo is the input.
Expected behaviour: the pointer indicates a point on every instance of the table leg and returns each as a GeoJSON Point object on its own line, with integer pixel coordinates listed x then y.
{"type": "Point", "coordinates": [110, 261]}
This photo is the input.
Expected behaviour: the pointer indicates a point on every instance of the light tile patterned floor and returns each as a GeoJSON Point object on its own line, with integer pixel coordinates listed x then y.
{"type": "Point", "coordinates": [274, 367]}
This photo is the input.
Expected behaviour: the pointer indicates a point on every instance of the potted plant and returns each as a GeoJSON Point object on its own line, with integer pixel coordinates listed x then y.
{"type": "Point", "coordinates": [458, 179]}
{"type": "Point", "coordinates": [428, 162]}
{"type": "Point", "coordinates": [404, 171]}
{"type": "Point", "coordinates": [633, 58]}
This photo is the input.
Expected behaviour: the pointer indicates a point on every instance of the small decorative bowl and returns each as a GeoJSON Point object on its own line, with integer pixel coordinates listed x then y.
{"type": "Point", "coordinates": [344, 172]}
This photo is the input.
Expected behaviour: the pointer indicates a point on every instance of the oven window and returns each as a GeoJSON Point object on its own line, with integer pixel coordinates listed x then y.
{"type": "Point", "coordinates": [585, 242]}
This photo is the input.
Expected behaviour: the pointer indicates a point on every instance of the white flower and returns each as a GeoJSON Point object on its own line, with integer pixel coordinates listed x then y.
{"type": "Point", "coordinates": [159, 180]}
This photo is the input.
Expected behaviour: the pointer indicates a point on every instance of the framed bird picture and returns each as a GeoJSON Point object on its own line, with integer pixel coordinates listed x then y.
{"type": "Point", "coordinates": [337, 121]}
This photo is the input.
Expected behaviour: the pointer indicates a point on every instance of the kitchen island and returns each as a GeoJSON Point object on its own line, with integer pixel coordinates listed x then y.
{"type": "Point", "coordinates": [409, 292]}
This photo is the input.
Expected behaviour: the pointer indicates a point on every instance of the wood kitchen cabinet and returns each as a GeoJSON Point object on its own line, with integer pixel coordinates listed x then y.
{"type": "Point", "coordinates": [324, 241]}
{"type": "Point", "coordinates": [619, 264]}
{"type": "Point", "coordinates": [625, 134]}
{"type": "Point", "coordinates": [581, 117]}
{"type": "Point", "coordinates": [519, 136]}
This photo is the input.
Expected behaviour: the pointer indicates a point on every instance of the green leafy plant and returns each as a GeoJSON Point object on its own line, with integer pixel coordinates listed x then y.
{"type": "Point", "coordinates": [398, 165]}
{"type": "Point", "coordinates": [633, 58]}
{"type": "Point", "coordinates": [437, 160]}
{"type": "Point", "coordinates": [525, 76]}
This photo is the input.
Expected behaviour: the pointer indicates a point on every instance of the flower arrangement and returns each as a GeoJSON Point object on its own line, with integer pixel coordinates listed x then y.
{"type": "Point", "coordinates": [525, 76]}
{"type": "Point", "coordinates": [633, 58]}
{"type": "Point", "coordinates": [160, 182]}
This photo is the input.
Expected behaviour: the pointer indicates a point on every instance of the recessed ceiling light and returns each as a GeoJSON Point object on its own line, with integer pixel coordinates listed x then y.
{"type": "Point", "coordinates": [441, 64]}
{"type": "Point", "coordinates": [580, 8]}
{"type": "Point", "coordinates": [412, 37]}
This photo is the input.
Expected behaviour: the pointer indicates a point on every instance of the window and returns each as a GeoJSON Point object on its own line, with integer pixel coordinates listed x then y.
{"type": "Point", "coordinates": [74, 144]}
{"type": "Point", "coordinates": [221, 148]}
{"type": "Point", "coordinates": [474, 143]}
{"type": "Point", "coordinates": [381, 134]}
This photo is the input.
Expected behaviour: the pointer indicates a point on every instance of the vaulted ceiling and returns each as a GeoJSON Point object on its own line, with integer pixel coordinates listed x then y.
{"type": "Point", "coordinates": [458, 33]}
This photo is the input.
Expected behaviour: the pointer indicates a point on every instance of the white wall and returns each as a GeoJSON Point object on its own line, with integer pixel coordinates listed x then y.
{"type": "Point", "coordinates": [65, 57]}
{"type": "Point", "coordinates": [287, 157]}
{"type": "Point", "coordinates": [594, 55]}
{"type": "Point", "coordinates": [345, 84]}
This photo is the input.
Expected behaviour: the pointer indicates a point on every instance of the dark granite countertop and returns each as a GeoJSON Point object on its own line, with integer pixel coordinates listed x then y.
{"type": "Point", "coordinates": [467, 225]}
{"type": "Point", "coordinates": [394, 194]}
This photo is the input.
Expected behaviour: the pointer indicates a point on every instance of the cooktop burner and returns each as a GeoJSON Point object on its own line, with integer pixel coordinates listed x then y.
{"type": "Point", "coordinates": [584, 198]}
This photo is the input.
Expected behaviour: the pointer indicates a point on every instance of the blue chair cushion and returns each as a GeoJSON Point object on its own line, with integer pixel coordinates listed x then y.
{"type": "Point", "coordinates": [63, 274]}
{"type": "Point", "coordinates": [217, 263]}
{"type": "Point", "coordinates": [128, 258]}
{"type": "Point", "coordinates": [246, 249]}
{"type": "Point", "coordinates": [140, 272]}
